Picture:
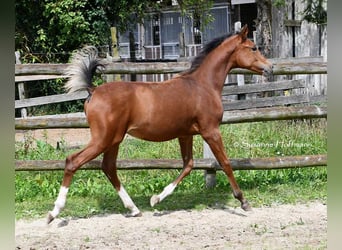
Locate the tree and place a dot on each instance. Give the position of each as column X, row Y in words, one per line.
column 47, row 31
column 28, row 20
column 263, row 24
column 316, row 12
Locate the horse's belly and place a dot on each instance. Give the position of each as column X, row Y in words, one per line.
column 162, row 133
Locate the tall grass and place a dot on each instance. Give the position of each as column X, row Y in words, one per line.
column 91, row 192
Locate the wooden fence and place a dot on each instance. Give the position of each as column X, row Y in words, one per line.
column 258, row 108
column 32, row 72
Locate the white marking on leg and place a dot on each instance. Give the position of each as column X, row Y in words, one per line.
column 166, row 192
column 127, row 201
column 60, row 202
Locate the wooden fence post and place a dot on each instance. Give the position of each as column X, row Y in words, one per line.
column 209, row 175
column 115, row 51
column 114, row 57
column 21, row 87
column 181, row 45
column 240, row 78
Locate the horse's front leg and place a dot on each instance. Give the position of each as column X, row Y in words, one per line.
column 188, row 163
column 214, row 139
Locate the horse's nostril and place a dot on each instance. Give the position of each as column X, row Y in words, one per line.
column 268, row 72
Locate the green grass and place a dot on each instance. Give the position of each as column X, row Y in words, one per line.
column 91, row 193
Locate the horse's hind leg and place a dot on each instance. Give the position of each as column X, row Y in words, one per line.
column 188, row 163
column 72, row 164
column 109, row 168
column 214, row 139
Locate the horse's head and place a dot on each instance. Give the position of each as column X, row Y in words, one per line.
column 246, row 55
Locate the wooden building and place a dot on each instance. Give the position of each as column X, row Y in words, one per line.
column 167, row 35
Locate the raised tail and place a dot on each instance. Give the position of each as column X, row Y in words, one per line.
column 83, row 66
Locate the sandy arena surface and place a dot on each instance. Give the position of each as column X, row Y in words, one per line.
column 300, row 226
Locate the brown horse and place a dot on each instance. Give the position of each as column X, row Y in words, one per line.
column 182, row 107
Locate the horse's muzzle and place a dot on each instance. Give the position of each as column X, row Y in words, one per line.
column 268, row 71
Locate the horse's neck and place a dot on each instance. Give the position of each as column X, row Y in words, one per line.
column 214, row 69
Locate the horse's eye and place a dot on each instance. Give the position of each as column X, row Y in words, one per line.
column 254, row 48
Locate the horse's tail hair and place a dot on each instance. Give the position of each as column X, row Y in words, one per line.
column 83, row 66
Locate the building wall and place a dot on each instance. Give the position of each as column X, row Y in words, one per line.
column 159, row 38
column 295, row 37
column 168, row 26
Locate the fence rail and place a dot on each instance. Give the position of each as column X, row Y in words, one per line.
column 78, row 120
column 202, row 164
column 290, row 66
column 228, row 90
column 29, row 102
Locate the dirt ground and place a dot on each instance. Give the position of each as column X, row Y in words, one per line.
column 300, row 226
column 70, row 137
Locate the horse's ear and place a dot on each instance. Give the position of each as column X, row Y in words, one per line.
column 243, row 33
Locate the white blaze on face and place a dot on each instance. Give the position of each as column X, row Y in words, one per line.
column 60, row 202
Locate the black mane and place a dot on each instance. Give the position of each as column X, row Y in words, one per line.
column 210, row 46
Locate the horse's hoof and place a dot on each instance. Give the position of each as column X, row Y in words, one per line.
column 245, row 206
column 139, row 214
column 154, row 200
column 49, row 218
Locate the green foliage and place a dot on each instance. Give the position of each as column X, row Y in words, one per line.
column 28, row 21
column 46, row 31
column 91, row 192
column 279, row 3
column 315, row 12
column 199, row 9
column 76, row 22
column 125, row 14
